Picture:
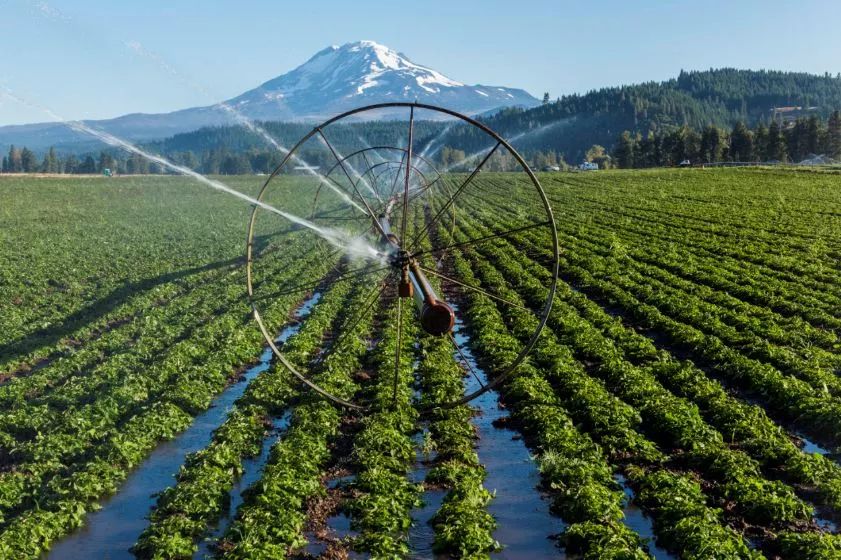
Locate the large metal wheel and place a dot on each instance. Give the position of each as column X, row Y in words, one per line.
column 389, row 214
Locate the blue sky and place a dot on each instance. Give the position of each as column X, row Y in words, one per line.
column 75, row 56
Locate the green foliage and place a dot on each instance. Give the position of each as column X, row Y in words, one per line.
column 680, row 293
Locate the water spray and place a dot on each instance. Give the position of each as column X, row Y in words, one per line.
column 484, row 151
column 411, row 274
column 255, row 128
column 335, row 237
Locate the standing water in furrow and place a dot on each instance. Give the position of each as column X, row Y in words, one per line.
column 524, row 523
column 421, row 534
column 639, row 522
column 111, row 531
column 252, row 469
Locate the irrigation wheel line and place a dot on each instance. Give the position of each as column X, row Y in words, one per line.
column 369, row 197
column 374, row 172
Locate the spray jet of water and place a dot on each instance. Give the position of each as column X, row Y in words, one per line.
column 425, row 152
column 51, row 13
column 140, row 50
column 364, row 143
column 346, row 162
column 481, row 153
column 341, row 240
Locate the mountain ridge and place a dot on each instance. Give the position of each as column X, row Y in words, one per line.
column 332, row 81
column 337, row 79
column 573, row 123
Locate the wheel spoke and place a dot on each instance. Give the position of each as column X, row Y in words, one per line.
column 353, row 184
column 471, row 287
column 465, row 360
column 407, row 176
column 368, row 168
column 449, row 202
column 425, row 189
column 482, row 239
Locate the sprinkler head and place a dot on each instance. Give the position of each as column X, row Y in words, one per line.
column 405, row 288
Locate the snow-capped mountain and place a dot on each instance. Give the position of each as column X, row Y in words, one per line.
column 339, row 78
column 336, row 79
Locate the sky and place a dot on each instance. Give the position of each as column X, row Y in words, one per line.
column 87, row 59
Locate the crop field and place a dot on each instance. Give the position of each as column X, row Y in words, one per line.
column 683, row 400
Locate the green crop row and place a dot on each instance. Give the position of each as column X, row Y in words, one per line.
column 815, row 411
column 668, row 418
column 185, row 380
column 572, row 466
column 188, row 374
column 270, row 521
column 746, row 425
column 184, row 511
column 383, row 450
column 463, row 527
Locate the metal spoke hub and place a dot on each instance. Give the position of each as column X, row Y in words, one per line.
column 388, row 217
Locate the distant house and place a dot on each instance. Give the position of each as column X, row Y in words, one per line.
column 787, row 116
column 588, row 166
column 552, row 168
column 685, row 163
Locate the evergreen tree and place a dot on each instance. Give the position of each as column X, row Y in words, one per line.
column 4, row 168
column 796, row 140
column 776, row 143
column 88, row 166
column 813, row 135
column 760, row 143
column 212, row 162
column 28, row 161
column 15, row 165
column 834, row 135
column 236, row 165
column 712, row 144
column 741, row 143
column 52, row 162
column 70, row 164
column 546, row 98
column 624, row 151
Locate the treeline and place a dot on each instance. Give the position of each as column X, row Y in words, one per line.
column 24, row 160
column 216, row 162
column 804, row 139
column 226, row 161
column 227, row 150
column 694, row 99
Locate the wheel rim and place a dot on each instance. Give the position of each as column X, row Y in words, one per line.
column 359, row 198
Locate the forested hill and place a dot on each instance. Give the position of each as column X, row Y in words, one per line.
column 567, row 127
column 573, row 123
column 721, row 97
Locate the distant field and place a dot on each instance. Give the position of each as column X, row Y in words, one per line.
column 689, row 369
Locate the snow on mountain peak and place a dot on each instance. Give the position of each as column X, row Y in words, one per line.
column 368, row 72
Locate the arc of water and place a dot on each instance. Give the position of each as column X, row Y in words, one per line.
column 140, row 50
column 511, row 140
column 335, row 237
